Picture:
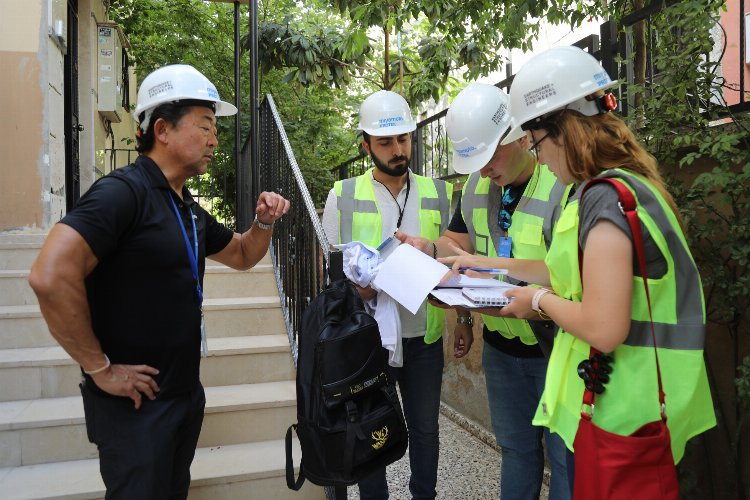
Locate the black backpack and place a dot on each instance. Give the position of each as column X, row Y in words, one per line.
column 349, row 418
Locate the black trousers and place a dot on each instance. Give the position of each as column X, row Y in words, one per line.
column 146, row 453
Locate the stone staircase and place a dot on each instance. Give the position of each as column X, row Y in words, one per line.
column 248, row 376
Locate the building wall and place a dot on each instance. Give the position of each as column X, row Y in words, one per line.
column 25, row 161
column 732, row 66
column 32, row 168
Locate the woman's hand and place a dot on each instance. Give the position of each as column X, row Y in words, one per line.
column 520, row 303
column 465, row 259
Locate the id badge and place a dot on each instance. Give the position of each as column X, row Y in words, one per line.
column 504, row 249
column 387, row 247
column 204, row 342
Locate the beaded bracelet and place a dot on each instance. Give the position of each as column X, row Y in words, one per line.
column 434, row 250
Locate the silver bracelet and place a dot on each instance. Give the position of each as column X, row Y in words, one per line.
column 261, row 225
column 465, row 320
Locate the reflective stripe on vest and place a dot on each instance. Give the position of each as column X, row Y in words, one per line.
column 631, row 397
column 360, row 220
column 533, row 219
column 689, row 306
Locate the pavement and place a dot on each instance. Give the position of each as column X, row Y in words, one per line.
column 469, row 466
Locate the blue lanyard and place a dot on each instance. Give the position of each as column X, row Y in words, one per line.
column 192, row 253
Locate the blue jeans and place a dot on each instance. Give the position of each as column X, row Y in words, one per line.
column 419, row 380
column 514, row 387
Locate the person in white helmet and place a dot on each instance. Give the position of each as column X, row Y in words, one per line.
column 371, row 208
column 509, row 206
column 119, row 283
column 560, row 98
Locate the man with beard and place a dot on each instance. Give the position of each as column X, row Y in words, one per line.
column 370, row 208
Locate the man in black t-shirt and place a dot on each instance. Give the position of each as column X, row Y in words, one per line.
column 119, row 282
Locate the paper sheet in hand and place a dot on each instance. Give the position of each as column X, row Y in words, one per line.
column 408, row 276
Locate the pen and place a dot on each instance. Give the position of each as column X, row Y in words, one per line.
column 487, row 270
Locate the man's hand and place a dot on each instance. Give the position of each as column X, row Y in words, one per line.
column 366, row 293
column 271, row 207
column 422, row 244
column 128, row 380
column 463, row 338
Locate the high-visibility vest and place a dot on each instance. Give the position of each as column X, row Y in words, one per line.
column 360, row 220
column 631, row 396
column 531, row 230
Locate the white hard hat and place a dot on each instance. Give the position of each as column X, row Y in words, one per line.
column 385, row 113
column 477, row 119
column 174, row 83
column 560, row 77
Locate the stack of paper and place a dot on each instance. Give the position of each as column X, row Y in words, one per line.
column 409, row 275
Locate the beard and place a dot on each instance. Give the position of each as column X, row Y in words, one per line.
column 397, row 171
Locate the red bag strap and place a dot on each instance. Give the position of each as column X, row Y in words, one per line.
column 629, row 208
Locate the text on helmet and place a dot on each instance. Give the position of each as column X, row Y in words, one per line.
column 499, row 114
column 602, row 78
column 539, row 94
column 390, row 122
column 160, row 88
column 465, row 152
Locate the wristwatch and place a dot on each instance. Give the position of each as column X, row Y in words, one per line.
column 465, row 320
column 261, row 225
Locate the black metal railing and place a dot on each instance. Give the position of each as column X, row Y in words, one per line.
column 117, row 158
column 302, row 257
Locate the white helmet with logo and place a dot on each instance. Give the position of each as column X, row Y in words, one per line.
column 174, row 83
column 477, row 119
column 558, row 78
column 385, row 113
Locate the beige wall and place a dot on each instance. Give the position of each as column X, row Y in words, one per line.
column 22, row 100
column 464, row 388
column 32, row 168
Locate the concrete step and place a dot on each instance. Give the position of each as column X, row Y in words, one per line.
column 15, row 289
column 48, row 372
column 241, row 316
column 252, row 471
column 219, row 282
column 23, row 325
column 18, row 251
column 54, row 430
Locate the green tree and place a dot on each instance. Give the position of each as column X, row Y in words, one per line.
column 680, row 125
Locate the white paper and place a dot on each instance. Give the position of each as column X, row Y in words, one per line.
column 408, row 275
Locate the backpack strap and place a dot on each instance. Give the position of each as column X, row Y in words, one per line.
column 290, row 481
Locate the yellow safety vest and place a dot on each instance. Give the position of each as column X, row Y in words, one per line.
column 531, row 230
column 360, row 220
column 631, row 397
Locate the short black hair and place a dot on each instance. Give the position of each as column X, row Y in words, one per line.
column 170, row 112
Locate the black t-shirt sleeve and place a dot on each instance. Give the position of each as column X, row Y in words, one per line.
column 458, row 225
column 218, row 235
column 104, row 214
